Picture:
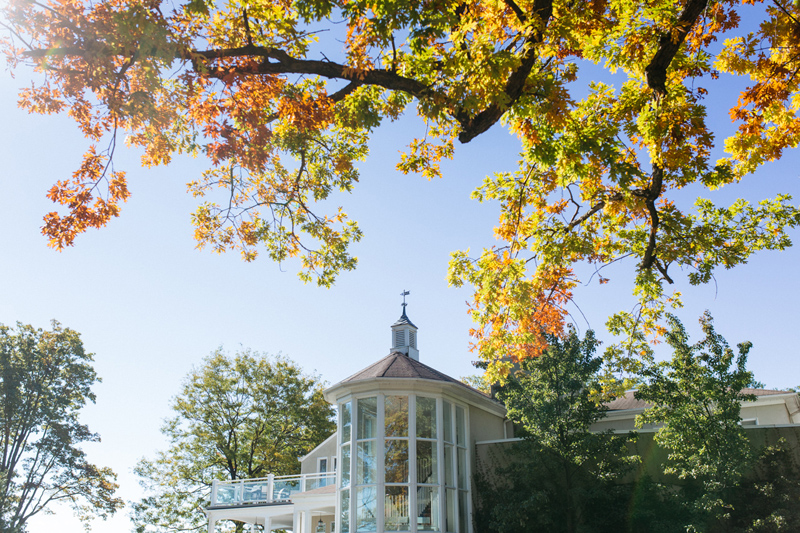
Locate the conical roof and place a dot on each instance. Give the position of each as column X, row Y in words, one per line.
column 399, row 365
column 403, row 320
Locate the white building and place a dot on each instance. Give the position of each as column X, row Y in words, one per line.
column 401, row 459
column 404, row 452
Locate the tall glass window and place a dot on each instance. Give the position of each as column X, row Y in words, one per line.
column 396, row 506
column 345, row 425
column 461, row 468
column 345, row 433
column 427, row 512
column 366, row 464
column 403, row 465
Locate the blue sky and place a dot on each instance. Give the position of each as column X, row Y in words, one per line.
column 151, row 306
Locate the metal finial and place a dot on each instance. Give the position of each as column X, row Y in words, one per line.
column 404, row 294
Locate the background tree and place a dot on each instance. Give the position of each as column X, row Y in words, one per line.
column 769, row 500
column 264, row 90
column 563, row 476
column 237, row 417
column 697, row 397
column 45, row 380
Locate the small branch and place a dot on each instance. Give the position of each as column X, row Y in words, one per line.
column 653, row 193
column 517, row 11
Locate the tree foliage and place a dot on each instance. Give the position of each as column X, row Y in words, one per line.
column 563, row 476
column 282, row 110
column 697, row 398
column 237, row 417
column 45, row 380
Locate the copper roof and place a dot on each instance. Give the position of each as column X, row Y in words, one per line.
column 629, row 402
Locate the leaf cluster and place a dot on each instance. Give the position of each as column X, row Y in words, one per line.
column 281, row 99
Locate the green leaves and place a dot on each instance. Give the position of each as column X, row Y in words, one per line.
column 45, row 379
column 237, row 417
column 565, row 466
column 696, row 397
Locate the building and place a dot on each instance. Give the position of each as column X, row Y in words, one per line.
column 405, row 449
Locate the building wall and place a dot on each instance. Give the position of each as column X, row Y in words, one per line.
column 308, row 465
column 774, row 414
column 493, row 454
column 768, row 410
column 484, row 426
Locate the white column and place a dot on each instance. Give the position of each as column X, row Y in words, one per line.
column 270, row 486
column 471, row 452
column 214, row 492
column 381, row 463
column 296, row 522
column 440, row 463
column 212, row 522
column 306, row 528
column 267, row 524
column 412, row 460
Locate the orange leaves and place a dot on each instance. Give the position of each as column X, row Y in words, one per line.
column 87, row 209
column 43, row 100
column 768, row 111
column 306, row 112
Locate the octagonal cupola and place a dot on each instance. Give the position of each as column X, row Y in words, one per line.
column 404, row 334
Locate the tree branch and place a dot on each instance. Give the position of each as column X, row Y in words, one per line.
column 474, row 126
column 285, row 64
column 668, row 45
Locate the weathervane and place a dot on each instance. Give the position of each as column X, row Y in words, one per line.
column 404, row 294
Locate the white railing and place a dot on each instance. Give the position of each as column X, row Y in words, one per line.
column 270, row 489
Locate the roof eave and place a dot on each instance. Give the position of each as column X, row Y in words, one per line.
column 411, row 384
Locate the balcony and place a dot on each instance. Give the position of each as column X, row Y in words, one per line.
column 267, row 490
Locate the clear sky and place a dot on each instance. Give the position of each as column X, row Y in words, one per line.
column 151, row 306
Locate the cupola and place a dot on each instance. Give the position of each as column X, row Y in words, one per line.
column 404, row 334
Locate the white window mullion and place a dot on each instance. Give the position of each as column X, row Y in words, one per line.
column 380, row 435
column 412, row 460
column 470, row 451
column 337, row 505
column 440, row 463
column 353, row 465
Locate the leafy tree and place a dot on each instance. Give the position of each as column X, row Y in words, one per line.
column 237, row 417
column 562, row 477
column 697, row 397
column 478, row 382
column 769, row 500
column 45, row 380
column 263, row 89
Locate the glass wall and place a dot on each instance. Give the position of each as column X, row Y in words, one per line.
column 404, row 465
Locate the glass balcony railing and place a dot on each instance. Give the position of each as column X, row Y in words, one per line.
column 270, row 489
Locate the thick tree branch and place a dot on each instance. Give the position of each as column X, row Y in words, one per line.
column 656, row 72
column 474, row 126
column 650, row 201
column 285, row 64
column 669, row 44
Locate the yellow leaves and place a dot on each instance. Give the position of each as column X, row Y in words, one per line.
column 424, row 157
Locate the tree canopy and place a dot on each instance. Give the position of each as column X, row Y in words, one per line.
column 696, row 398
column 237, row 417
column 281, row 97
column 563, row 477
column 45, row 380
